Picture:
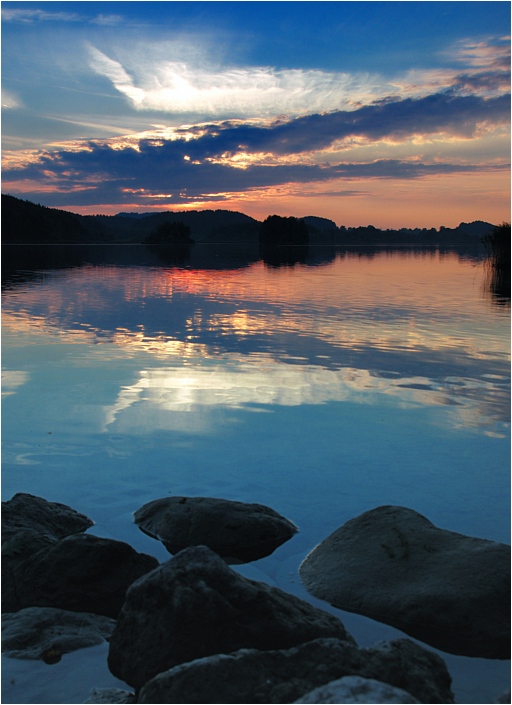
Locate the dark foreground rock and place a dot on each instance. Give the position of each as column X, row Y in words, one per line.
column 34, row 631
column 110, row 695
column 25, row 511
column 18, row 546
column 392, row 564
column 81, row 573
column 195, row 605
column 237, row 531
column 283, row 676
column 354, row 689
column 30, row 523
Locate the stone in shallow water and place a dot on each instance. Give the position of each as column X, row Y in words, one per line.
column 392, row 564
column 30, row 523
column 283, row 676
column 26, row 511
column 237, row 531
column 81, row 573
column 195, row 605
column 354, row 689
column 33, row 631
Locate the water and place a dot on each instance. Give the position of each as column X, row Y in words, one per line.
column 323, row 390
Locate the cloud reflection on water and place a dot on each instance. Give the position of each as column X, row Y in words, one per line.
column 237, row 384
column 371, row 331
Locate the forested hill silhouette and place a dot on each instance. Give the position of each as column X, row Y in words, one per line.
column 24, row 222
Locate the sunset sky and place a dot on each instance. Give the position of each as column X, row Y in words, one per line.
column 390, row 113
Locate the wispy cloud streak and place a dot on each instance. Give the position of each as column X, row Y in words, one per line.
column 159, row 80
column 177, row 87
column 32, row 15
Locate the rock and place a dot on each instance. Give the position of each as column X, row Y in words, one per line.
column 30, row 523
column 195, row 605
column 33, row 631
column 24, row 511
column 354, row 689
column 110, row 695
column 21, row 544
column 81, row 573
column 392, row 564
column 237, row 531
column 284, row 676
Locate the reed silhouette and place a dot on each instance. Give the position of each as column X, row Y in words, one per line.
column 497, row 282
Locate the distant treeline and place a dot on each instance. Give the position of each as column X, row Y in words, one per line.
column 24, row 222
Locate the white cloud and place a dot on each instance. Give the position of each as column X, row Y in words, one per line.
column 157, row 79
column 29, row 16
column 482, row 54
column 26, row 16
column 10, row 101
column 181, row 77
column 193, row 87
column 116, row 73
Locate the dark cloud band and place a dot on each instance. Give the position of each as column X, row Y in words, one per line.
column 102, row 174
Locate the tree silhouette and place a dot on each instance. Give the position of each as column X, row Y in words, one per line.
column 279, row 231
column 170, row 233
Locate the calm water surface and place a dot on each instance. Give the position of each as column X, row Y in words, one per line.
column 371, row 378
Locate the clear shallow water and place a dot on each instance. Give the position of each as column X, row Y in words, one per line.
column 372, row 378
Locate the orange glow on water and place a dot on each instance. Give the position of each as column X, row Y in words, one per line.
column 409, row 284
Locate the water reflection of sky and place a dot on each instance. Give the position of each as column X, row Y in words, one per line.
column 403, row 329
column 320, row 391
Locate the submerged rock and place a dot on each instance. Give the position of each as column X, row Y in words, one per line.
column 81, row 573
column 34, row 631
column 237, row 531
column 392, row 564
column 195, row 605
column 284, row 676
column 354, row 689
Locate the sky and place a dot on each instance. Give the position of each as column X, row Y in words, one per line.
column 395, row 114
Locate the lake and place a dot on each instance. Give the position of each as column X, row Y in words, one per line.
column 322, row 386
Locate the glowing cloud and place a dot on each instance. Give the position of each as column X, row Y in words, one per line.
column 153, row 81
column 178, row 87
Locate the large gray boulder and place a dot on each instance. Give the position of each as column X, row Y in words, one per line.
column 30, row 523
column 195, row 605
column 354, row 689
column 237, row 531
column 34, row 631
column 392, row 564
column 283, row 676
column 81, row 573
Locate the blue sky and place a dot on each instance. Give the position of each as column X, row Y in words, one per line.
column 381, row 112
